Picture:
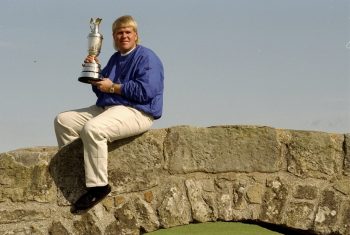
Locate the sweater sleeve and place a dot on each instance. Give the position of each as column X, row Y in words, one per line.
column 147, row 82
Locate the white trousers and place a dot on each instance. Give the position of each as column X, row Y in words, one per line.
column 97, row 126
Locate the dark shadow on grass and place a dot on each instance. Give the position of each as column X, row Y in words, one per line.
column 279, row 228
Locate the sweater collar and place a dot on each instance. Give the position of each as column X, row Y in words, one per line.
column 127, row 53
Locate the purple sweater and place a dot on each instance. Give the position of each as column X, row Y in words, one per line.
column 142, row 77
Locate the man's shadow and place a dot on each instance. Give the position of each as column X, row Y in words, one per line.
column 67, row 169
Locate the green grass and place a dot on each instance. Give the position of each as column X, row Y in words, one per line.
column 217, row 228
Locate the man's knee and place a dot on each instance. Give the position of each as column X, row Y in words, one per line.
column 61, row 119
column 90, row 130
column 58, row 121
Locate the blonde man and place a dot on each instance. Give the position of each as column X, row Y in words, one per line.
column 129, row 99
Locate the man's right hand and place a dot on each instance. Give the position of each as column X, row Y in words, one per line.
column 91, row 59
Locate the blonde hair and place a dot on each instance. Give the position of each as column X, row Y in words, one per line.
column 125, row 21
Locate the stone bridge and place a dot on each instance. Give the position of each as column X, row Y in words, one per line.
column 181, row 175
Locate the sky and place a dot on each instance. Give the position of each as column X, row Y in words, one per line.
column 278, row 63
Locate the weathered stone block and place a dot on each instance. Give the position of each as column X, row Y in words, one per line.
column 57, row 228
column 343, row 185
column 174, row 209
column 117, row 228
column 255, row 194
column 20, row 215
column 203, row 203
column 223, row 149
column 135, row 215
column 147, row 220
column 25, row 176
column 86, row 226
column 315, row 154
column 274, row 202
column 148, row 196
column 224, row 199
column 134, row 163
column 239, row 192
column 328, row 212
column 308, row 192
column 13, row 194
column 224, row 206
column 22, row 230
column 300, row 215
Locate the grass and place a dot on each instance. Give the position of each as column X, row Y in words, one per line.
column 217, row 228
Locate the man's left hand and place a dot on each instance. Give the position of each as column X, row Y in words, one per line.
column 104, row 85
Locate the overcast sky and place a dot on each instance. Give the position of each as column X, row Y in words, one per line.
column 279, row 63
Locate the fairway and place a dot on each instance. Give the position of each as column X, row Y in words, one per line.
column 216, row 228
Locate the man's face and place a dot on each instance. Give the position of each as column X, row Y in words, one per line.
column 125, row 39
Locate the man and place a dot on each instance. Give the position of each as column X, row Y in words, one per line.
column 129, row 99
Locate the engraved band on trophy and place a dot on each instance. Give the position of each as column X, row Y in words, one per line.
column 91, row 71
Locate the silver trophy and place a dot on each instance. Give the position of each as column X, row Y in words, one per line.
column 91, row 71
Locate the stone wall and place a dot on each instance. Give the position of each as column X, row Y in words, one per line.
column 180, row 175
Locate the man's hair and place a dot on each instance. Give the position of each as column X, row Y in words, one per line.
column 125, row 21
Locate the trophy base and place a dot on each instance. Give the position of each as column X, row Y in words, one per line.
column 90, row 73
column 88, row 79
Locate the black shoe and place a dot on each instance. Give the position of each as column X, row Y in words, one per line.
column 93, row 196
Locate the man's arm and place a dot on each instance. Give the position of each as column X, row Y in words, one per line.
column 107, row 86
column 147, row 83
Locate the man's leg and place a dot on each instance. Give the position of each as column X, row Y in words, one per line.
column 116, row 122
column 69, row 124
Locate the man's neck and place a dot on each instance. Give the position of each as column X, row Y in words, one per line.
column 128, row 52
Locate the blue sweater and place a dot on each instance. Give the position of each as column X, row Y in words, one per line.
column 142, row 77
